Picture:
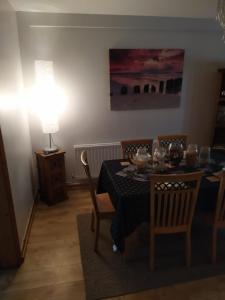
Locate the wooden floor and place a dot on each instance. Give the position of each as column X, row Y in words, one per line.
column 53, row 270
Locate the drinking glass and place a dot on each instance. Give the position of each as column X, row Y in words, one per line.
column 159, row 159
column 192, row 155
column 204, row 156
column 155, row 145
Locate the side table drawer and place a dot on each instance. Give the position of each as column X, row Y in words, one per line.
column 56, row 164
column 57, row 179
column 51, row 170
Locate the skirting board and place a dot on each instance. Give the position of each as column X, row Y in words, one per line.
column 82, row 183
column 28, row 229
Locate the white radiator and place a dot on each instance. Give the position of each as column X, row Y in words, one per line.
column 96, row 154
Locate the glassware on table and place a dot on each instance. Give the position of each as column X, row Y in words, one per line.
column 175, row 151
column 191, row 155
column 141, row 158
column 155, row 145
column 204, row 156
column 159, row 159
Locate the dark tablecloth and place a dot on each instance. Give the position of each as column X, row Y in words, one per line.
column 131, row 197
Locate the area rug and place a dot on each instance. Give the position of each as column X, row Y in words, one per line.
column 108, row 274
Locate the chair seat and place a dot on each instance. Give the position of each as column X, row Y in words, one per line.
column 105, row 207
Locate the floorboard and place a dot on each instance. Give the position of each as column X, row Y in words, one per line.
column 52, row 268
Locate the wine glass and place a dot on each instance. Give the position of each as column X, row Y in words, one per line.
column 175, row 153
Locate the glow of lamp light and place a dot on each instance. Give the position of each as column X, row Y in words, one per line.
column 48, row 100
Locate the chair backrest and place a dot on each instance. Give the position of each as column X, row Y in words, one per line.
column 130, row 147
column 85, row 164
column 172, row 201
column 165, row 140
column 219, row 217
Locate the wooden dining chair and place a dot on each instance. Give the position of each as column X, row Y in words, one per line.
column 172, row 204
column 102, row 205
column 130, row 147
column 219, row 216
column 165, row 140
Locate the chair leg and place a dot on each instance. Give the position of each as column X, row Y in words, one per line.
column 152, row 251
column 214, row 245
column 124, row 254
column 188, row 249
column 92, row 221
column 97, row 225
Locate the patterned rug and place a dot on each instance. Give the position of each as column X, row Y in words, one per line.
column 108, row 274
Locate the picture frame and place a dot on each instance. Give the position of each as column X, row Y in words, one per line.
column 145, row 78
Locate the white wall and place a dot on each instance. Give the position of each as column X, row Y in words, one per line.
column 79, row 46
column 13, row 119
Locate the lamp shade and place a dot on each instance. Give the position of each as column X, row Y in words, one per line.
column 50, row 127
column 44, row 72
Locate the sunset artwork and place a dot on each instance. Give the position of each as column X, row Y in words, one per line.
column 145, row 78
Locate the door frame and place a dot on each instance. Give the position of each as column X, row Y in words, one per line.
column 10, row 252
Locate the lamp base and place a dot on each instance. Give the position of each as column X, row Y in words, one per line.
column 49, row 150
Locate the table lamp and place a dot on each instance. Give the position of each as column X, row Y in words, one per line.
column 49, row 128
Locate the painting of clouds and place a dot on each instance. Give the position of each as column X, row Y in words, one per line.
column 145, row 78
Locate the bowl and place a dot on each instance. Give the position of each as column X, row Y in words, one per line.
column 141, row 164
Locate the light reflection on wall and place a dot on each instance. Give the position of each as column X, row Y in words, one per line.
column 10, row 102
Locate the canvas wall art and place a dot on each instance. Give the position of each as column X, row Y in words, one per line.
column 145, row 78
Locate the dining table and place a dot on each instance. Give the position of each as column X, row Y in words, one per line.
column 129, row 190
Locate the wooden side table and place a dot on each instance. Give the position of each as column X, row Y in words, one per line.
column 51, row 171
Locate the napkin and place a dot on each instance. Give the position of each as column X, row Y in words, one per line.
column 125, row 163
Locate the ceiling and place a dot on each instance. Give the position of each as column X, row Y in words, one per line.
column 163, row 8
